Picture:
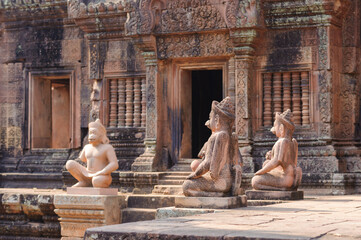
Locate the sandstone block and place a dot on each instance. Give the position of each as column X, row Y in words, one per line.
column 274, row 195
column 92, row 191
column 211, row 202
column 79, row 212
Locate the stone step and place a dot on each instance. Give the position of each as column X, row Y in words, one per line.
column 150, row 201
column 31, row 180
column 175, row 177
column 186, row 160
column 171, row 181
column 168, row 189
column 185, row 173
column 138, row 214
column 181, row 168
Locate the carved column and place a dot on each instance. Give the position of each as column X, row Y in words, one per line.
column 137, row 102
column 324, row 83
column 267, row 99
column 144, row 102
column 296, row 98
column 146, row 161
column 121, row 102
column 305, row 98
column 113, row 103
column 287, row 91
column 129, row 103
column 277, row 92
column 96, row 71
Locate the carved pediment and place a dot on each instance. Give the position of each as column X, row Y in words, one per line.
column 98, row 18
column 14, row 10
column 165, row 16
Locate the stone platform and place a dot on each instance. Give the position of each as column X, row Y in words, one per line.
column 211, row 202
column 80, row 212
column 92, row 191
column 274, row 195
column 327, row 217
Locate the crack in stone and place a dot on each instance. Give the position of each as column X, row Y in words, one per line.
column 326, row 224
column 272, row 220
column 323, row 234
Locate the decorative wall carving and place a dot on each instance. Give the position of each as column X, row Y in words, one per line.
column 242, row 98
column 125, row 102
column 98, row 52
column 83, row 9
column 160, row 16
column 194, row 45
column 243, row 13
column 287, row 90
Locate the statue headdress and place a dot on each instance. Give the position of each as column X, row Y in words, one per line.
column 225, row 108
column 98, row 125
column 286, row 119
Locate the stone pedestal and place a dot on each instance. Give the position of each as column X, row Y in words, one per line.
column 92, row 191
column 80, row 212
column 274, row 195
column 211, row 202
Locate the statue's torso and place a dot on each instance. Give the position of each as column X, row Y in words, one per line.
column 96, row 157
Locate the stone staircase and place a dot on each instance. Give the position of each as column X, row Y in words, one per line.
column 38, row 168
column 144, row 207
column 170, row 183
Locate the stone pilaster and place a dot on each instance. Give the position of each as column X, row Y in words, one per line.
column 146, row 161
column 243, row 41
column 97, row 54
column 80, row 212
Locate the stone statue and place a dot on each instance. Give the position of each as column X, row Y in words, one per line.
column 221, row 164
column 280, row 171
column 100, row 158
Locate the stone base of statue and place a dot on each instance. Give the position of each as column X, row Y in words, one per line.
column 80, row 212
column 274, row 195
column 211, row 202
column 92, row 191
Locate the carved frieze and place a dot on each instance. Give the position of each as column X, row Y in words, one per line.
column 83, row 9
column 297, row 13
column 242, row 97
column 31, row 9
column 160, row 16
column 194, row 45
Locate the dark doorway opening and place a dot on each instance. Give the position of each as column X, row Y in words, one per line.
column 206, row 87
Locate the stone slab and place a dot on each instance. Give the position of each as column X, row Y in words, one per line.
column 80, row 212
column 211, row 202
column 92, row 191
column 326, row 217
column 274, row 195
column 168, row 212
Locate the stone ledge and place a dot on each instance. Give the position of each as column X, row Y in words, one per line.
column 274, row 195
column 211, row 202
column 168, row 212
column 92, row 191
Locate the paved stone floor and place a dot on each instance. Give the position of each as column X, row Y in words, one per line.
column 324, row 217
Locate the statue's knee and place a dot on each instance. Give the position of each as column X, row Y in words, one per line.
column 186, row 187
column 70, row 164
column 101, row 181
column 255, row 182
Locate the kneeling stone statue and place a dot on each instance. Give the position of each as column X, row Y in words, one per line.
column 280, row 171
column 220, row 172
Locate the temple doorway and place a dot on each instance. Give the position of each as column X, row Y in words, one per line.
column 206, row 86
column 50, row 113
